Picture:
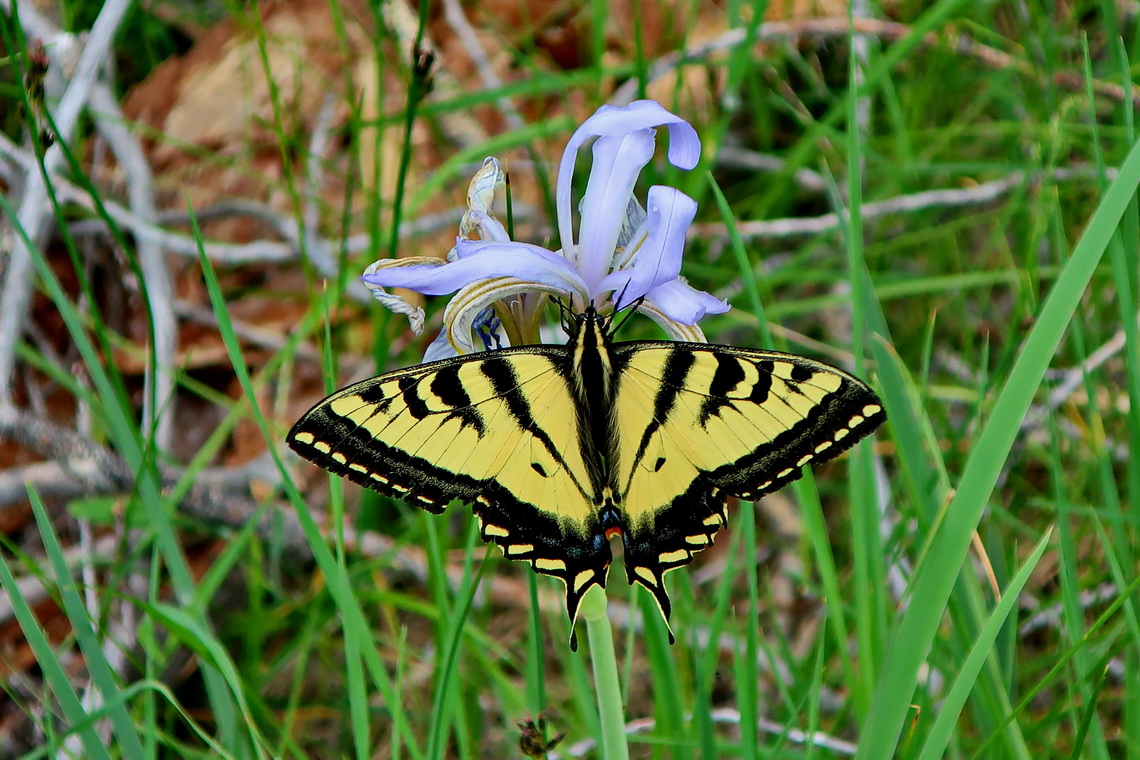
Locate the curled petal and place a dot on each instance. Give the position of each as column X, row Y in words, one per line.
column 683, row 303
column 618, row 121
column 615, row 121
column 481, row 190
column 391, row 301
column 674, row 330
column 463, row 312
column 658, row 255
column 485, row 225
column 398, row 305
column 480, row 214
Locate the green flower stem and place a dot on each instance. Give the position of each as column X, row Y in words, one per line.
column 611, row 713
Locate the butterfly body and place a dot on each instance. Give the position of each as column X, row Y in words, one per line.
column 559, row 449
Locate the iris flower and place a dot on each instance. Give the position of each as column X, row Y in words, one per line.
column 623, row 252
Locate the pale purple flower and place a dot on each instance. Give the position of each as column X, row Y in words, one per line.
column 622, row 252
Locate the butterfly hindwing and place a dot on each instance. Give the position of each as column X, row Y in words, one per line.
column 496, row 430
column 699, row 423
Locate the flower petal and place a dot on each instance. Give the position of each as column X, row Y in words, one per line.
column 616, row 122
column 658, row 256
column 399, row 305
column 617, row 163
column 464, row 311
column 479, row 260
column 522, row 261
column 395, row 303
column 486, row 225
column 423, row 274
column 480, row 215
column 485, row 325
column 440, row 348
column 674, row 330
column 683, row 303
column 631, row 230
column 481, row 190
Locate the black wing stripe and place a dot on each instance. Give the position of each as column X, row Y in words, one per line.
column 409, row 390
column 763, row 385
column 673, row 375
column 450, row 391
column 365, row 461
column 505, row 382
column 801, row 373
column 728, row 375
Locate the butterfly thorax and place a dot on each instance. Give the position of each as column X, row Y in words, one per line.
column 594, row 382
column 591, row 368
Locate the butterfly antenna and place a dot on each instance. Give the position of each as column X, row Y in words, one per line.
column 566, row 316
column 632, row 309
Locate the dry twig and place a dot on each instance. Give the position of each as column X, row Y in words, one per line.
column 1072, row 379
column 35, row 208
column 986, row 192
column 159, row 293
column 728, row 716
column 829, row 28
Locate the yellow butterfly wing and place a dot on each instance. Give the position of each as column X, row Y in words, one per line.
column 497, row 430
column 698, row 423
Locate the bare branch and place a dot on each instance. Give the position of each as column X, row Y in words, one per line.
column 316, row 248
column 231, row 254
column 455, row 16
column 825, row 28
column 945, row 198
column 1072, row 379
column 761, row 162
column 35, row 209
column 159, row 383
column 728, row 716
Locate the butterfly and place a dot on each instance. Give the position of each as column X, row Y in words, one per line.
column 559, row 449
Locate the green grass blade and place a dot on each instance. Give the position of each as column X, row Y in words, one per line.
column 57, row 680
column 103, row 677
column 1088, row 717
column 747, row 688
column 204, row 644
column 110, row 406
column 912, row 640
column 938, row 738
column 353, row 620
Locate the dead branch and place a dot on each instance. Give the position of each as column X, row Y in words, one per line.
column 830, row 28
